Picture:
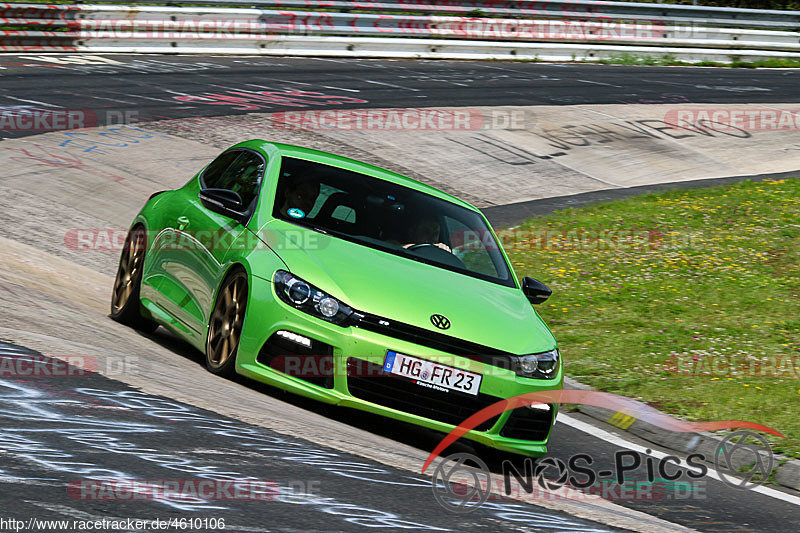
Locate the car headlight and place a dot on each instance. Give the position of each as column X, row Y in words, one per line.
column 539, row 365
column 306, row 297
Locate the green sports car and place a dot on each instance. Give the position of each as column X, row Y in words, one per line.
column 346, row 283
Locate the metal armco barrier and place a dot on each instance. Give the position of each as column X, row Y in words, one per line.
column 562, row 9
column 576, row 34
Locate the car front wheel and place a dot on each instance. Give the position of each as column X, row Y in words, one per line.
column 225, row 325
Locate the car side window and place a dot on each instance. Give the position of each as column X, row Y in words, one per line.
column 213, row 172
column 239, row 171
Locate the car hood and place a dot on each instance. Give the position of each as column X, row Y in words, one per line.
column 408, row 291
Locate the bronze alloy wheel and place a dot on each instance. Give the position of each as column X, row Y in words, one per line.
column 129, row 271
column 125, row 306
column 225, row 326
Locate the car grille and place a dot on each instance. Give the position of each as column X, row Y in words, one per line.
column 367, row 381
column 528, row 424
column 431, row 339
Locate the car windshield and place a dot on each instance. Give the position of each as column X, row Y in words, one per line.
column 389, row 217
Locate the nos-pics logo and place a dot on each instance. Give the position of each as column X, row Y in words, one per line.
column 462, row 482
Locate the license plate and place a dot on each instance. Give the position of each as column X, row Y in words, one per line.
column 436, row 376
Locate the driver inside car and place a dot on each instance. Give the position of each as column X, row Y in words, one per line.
column 426, row 231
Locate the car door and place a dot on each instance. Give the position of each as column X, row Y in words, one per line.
column 167, row 273
column 208, row 235
column 160, row 285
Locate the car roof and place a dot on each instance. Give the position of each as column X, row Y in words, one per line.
column 321, row 156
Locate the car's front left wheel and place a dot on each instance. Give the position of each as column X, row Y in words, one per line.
column 125, row 306
column 225, row 325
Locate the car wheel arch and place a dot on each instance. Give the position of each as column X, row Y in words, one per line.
column 229, row 271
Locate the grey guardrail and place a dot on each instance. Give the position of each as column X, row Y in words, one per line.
column 153, row 29
column 562, row 9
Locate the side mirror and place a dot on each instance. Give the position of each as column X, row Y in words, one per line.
column 536, row 291
column 224, row 202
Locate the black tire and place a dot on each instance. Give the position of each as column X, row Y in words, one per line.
column 225, row 324
column 125, row 305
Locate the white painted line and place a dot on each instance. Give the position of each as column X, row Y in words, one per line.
column 175, row 92
column 734, row 89
column 600, row 83
column 147, row 98
column 102, row 98
column 30, row 101
column 329, row 60
column 619, row 441
column 277, row 79
column 341, row 88
column 596, row 112
column 393, row 85
column 111, row 99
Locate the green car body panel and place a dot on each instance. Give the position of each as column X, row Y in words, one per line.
column 183, row 270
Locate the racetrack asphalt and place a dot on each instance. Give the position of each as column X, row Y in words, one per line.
column 61, row 427
column 156, row 87
column 70, row 439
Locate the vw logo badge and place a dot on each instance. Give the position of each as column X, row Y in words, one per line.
column 440, row 321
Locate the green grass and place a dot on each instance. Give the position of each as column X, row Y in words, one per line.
column 767, row 63
column 631, row 59
column 670, row 60
column 702, row 274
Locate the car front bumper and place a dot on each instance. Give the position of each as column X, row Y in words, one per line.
column 352, row 378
